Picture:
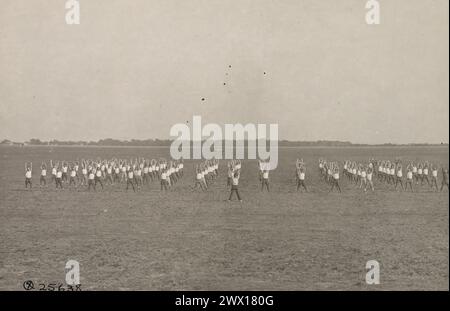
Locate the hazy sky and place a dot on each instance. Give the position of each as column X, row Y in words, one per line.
column 132, row 69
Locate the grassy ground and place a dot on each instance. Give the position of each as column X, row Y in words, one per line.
column 184, row 240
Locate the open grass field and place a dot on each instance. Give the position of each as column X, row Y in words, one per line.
column 185, row 240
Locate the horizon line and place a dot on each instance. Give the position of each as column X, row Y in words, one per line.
column 125, row 141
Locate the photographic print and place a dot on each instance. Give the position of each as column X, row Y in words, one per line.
column 205, row 145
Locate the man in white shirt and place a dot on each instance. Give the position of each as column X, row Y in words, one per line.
column 43, row 178
column 234, row 186
column 265, row 180
column 301, row 172
column 98, row 178
column 28, row 174
column 130, row 179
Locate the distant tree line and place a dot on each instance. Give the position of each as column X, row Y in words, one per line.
column 168, row 142
column 101, row 142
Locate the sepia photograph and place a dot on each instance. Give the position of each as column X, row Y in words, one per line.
column 192, row 146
